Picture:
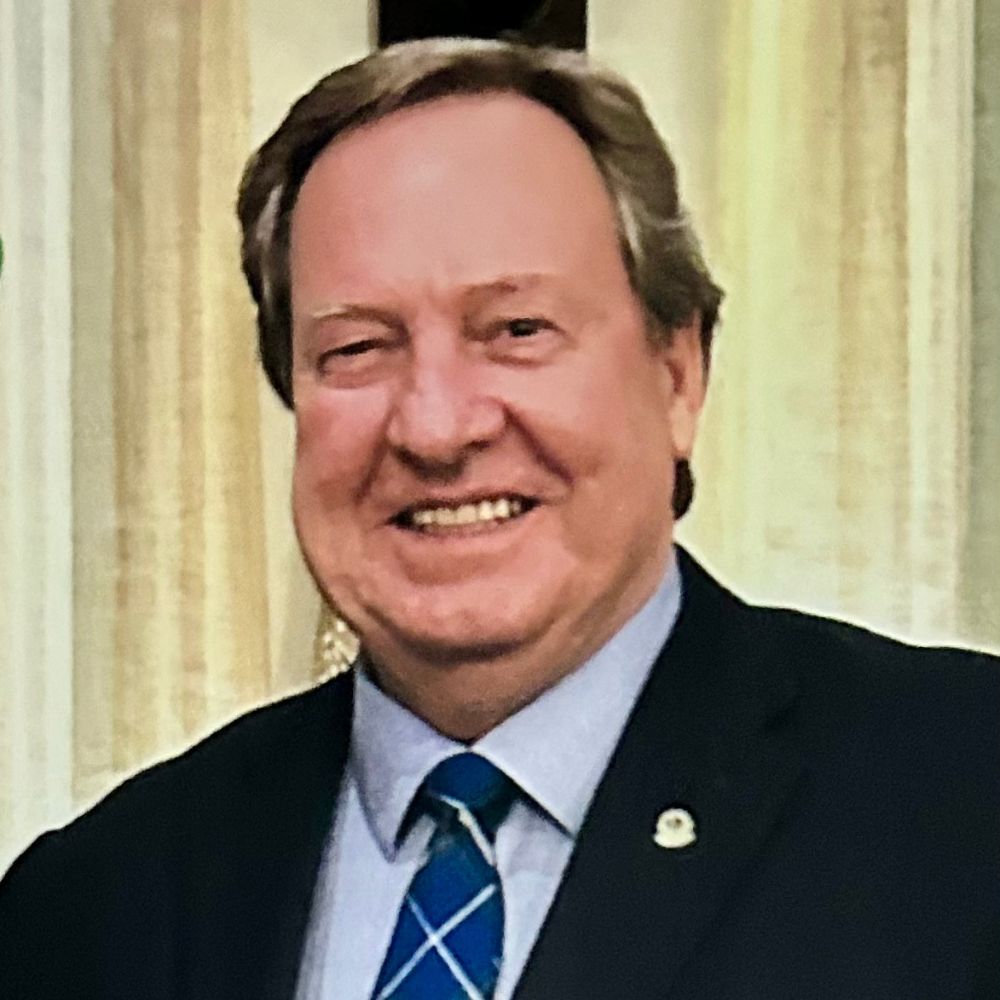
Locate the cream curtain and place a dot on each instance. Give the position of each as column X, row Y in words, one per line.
column 180, row 546
column 840, row 160
column 151, row 583
column 980, row 583
column 36, row 588
column 849, row 461
column 171, row 610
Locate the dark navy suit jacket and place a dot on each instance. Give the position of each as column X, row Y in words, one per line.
column 845, row 790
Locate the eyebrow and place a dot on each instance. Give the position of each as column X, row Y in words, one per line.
column 507, row 284
column 351, row 310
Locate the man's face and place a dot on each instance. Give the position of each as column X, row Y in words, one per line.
column 485, row 438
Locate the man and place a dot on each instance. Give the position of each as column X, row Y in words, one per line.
column 569, row 764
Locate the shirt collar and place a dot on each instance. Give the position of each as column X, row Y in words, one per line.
column 556, row 748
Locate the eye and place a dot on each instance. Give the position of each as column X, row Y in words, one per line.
column 522, row 339
column 347, row 355
column 355, row 362
column 353, row 349
column 523, row 327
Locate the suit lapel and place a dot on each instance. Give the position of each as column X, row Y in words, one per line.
column 249, row 879
column 712, row 734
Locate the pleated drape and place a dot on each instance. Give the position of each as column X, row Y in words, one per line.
column 980, row 578
column 36, row 585
column 834, row 163
column 171, row 609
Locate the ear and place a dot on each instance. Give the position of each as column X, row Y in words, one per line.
column 684, row 367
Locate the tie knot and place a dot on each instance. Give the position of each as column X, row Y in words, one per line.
column 468, row 781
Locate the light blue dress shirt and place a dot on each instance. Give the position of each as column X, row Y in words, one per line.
column 555, row 749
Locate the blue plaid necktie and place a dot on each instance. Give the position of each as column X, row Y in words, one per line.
column 448, row 940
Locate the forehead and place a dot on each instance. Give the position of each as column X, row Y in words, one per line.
column 462, row 184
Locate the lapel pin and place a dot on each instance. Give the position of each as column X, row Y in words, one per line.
column 674, row 829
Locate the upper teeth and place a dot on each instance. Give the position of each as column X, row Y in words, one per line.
column 469, row 513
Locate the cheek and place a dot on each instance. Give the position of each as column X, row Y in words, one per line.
column 600, row 418
column 616, row 444
column 337, row 442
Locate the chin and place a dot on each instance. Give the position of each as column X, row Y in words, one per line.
column 453, row 635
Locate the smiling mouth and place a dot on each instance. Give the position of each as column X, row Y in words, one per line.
column 488, row 512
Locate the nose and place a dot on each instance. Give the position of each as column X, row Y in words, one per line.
column 443, row 412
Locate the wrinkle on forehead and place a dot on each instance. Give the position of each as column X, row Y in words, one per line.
column 473, row 293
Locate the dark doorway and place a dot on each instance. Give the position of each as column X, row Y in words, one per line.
column 562, row 23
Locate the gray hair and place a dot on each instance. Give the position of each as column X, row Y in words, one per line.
column 660, row 250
